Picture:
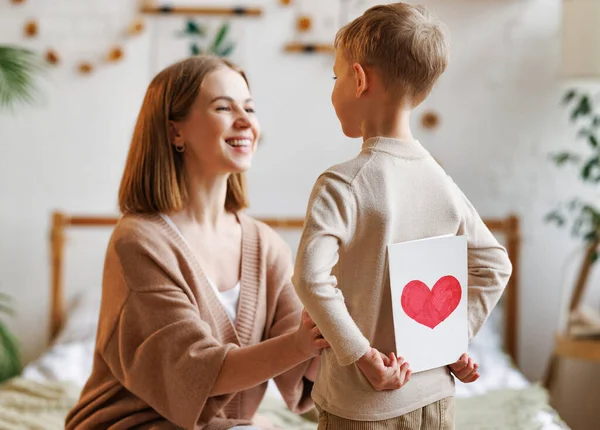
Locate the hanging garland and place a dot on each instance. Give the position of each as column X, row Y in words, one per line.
column 112, row 55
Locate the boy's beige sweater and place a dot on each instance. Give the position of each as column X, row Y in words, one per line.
column 393, row 191
column 163, row 334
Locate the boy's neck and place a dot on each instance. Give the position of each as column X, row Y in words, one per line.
column 387, row 122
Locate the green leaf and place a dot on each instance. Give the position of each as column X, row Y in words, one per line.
column 194, row 28
column 18, row 68
column 577, row 225
column 594, row 257
column 564, row 157
column 7, row 310
column 586, row 171
column 583, row 108
column 195, row 49
column 590, row 236
column 593, row 141
column 573, row 203
column 10, row 362
column 556, row 217
column 226, row 52
column 569, row 96
column 220, row 38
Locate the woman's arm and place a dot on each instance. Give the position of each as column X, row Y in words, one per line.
column 250, row 366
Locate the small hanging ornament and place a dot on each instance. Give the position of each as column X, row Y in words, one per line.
column 52, row 57
column 17, row 1
column 430, row 120
column 85, row 68
column 115, row 54
column 136, row 27
column 31, row 28
column 304, row 23
column 285, row 2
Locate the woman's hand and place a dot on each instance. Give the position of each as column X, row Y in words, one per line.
column 308, row 337
column 465, row 369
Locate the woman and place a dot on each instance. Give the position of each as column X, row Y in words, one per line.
column 198, row 311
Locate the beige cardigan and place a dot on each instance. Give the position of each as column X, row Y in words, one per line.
column 393, row 191
column 163, row 335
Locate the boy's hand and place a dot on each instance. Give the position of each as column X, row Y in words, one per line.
column 465, row 369
column 383, row 372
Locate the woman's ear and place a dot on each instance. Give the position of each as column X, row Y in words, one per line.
column 175, row 134
column 360, row 78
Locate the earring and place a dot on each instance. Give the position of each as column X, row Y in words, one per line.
column 180, row 149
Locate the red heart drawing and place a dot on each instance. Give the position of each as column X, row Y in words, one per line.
column 431, row 307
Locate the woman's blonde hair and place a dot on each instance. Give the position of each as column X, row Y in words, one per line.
column 154, row 178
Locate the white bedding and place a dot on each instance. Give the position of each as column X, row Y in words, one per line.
column 70, row 358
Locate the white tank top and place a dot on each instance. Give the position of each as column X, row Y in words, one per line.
column 229, row 299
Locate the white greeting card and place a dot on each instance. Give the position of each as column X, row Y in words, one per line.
column 428, row 278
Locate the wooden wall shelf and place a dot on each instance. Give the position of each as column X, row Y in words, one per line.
column 213, row 11
column 309, row 48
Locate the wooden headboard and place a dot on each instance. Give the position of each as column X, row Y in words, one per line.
column 507, row 227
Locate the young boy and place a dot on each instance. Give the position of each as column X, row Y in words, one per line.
column 387, row 62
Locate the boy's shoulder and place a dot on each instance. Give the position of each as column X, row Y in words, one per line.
column 347, row 170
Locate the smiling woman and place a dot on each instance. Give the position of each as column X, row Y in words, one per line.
column 198, row 310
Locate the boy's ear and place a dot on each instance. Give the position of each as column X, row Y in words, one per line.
column 360, row 77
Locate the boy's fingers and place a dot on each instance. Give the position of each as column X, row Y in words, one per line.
column 386, row 360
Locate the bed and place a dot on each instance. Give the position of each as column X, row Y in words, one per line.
column 42, row 395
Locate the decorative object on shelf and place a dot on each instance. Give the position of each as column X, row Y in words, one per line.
column 285, row 2
column 31, row 28
column 316, row 24
column 309, row 48
column 430, row 120
column 168, row 8
column 219, row 45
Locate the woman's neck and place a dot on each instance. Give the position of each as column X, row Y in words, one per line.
column 206, row 200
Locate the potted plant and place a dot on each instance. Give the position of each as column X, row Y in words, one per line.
column 10, row 360
column 583, row 215
column 18, row 67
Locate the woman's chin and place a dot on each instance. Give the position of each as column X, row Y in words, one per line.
column 241, row 166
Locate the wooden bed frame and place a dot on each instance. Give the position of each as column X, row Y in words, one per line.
column 508, row 227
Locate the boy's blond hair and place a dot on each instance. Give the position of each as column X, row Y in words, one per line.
column 404, row 42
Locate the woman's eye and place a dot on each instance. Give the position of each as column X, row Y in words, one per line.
column 250, row 110
column 223, row 109
column 335, row 78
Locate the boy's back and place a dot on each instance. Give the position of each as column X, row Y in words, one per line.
column 392, row 192
column 387, row 62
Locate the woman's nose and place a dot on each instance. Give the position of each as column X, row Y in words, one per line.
column 242, row 120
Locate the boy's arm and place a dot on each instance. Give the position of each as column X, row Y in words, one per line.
column 330, row 222
column 488, row 264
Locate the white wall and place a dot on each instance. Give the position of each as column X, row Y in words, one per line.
column 498, row 104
